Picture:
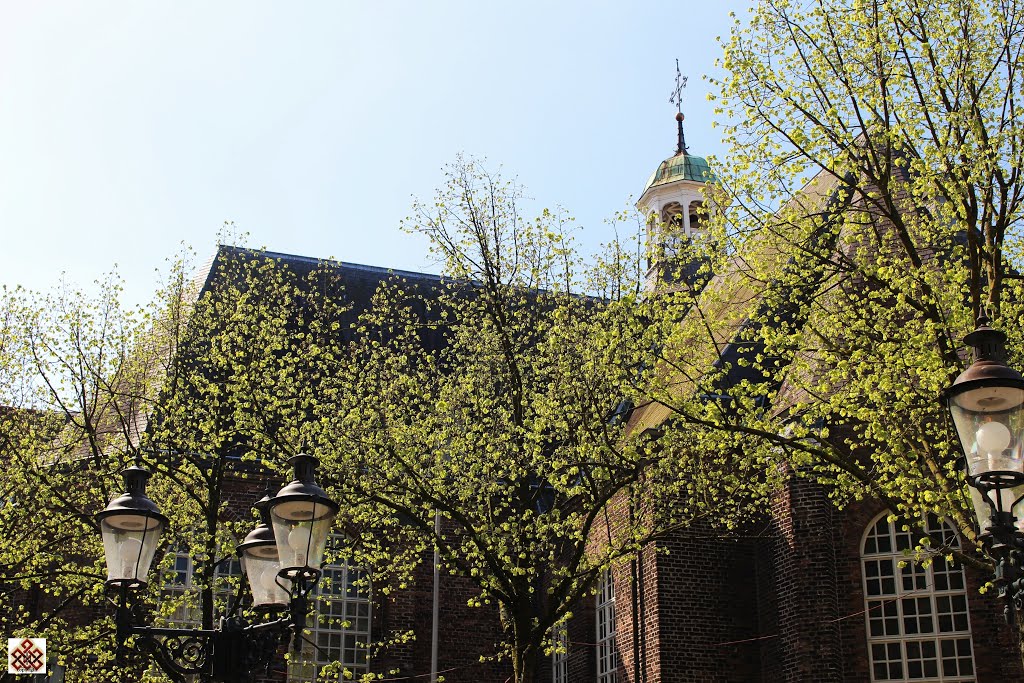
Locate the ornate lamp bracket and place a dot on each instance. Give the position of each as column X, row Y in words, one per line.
column 233, row 653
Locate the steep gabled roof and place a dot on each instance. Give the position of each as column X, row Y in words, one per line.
column 710, row 335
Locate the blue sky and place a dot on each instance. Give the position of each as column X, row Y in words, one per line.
column 127, row 128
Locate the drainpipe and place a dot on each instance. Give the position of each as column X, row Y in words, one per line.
column 437, row 597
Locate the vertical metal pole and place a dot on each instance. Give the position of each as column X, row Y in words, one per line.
column 437, row 598
column 123, row 622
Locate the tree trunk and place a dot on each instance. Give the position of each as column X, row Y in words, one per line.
column 524, row 665
column 525, row 647
column 1020, row 635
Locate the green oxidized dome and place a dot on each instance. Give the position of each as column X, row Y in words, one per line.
column 681, row 167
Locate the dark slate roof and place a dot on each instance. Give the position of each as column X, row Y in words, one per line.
column 359, row 282
column 357, row 277
column 353, row 284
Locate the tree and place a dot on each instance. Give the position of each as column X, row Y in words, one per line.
column 210, row 382
column 491, row 400
column 870, row 205
column 497, row 399
column 247, row 363
column 73, row 391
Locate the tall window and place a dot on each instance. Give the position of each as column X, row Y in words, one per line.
column 607, row 655
column 560, row 657
column 178, row 588
column 917, row 623
column 340, row 625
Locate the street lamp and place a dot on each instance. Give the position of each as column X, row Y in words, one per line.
column 281, row 572
column 261, row 563
column 987, row 405
column 301, row 514
column 131, row 526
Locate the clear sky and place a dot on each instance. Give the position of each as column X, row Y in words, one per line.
column 128, row 128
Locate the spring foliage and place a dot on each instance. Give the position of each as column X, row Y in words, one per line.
column 496, row 397
column 203, row 385
column 489, row 398
column 870, row 205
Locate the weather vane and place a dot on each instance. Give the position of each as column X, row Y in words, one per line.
column 677, row 99
column 677, row 94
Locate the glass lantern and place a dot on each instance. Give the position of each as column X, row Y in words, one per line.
column 261, row 564
column 302, row 515
column 989, row 420
column 986, row 403
column 131, row 526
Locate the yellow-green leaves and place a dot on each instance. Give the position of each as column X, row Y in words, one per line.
column 875, row 181
column 486, row 397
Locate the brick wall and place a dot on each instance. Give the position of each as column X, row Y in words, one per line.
column 777, row 602
column 466, row 633
column 803, row 586
column 581, row 634
column 707, row 625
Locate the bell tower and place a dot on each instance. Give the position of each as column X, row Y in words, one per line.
column 673, row 202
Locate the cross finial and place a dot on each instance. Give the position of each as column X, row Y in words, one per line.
column 677, row 99
column 677, row 94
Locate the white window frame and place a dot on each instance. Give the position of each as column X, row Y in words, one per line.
column 179, row 588
column 604, row 618
column 188, row 614
column 560, row 655
column 917, row 619
column 340, row 624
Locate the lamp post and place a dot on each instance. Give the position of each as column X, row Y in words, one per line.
column 987, row 405
column 281, row 571
column 301, row 514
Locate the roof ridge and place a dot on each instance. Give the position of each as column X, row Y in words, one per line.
column 335, row 263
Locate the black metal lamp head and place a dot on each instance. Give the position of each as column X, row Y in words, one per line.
column 131, row 526
column 986, row 403
column 261, row 562
column 302, row 514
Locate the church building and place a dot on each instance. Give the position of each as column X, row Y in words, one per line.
column 808, row 593
column 811, row 593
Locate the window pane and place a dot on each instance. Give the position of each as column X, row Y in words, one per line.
column 607, row 655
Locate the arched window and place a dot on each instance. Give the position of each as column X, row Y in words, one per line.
column 672, row 217
column 917, row 623
column 696, row 206
column 672, row 236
